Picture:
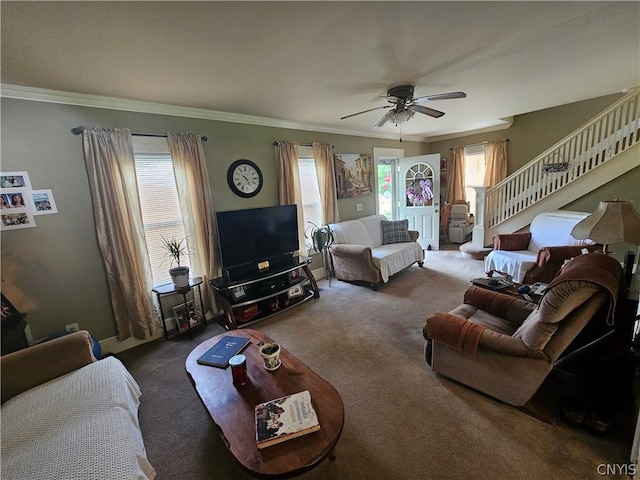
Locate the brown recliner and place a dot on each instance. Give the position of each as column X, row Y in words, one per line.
column 504, row 346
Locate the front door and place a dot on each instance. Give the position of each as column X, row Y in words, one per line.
column 419, row 197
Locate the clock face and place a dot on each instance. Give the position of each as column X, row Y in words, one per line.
column 244, row 178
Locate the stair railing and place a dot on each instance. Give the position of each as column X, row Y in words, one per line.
column 605, row 136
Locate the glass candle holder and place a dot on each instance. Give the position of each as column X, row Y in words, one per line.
column 238, row 365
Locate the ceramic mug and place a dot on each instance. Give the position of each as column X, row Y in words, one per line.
column 270, row 353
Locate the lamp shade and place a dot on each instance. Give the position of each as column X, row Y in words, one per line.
column 613, row 221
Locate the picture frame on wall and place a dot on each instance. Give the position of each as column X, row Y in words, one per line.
column 43, row 202
column 354, row 173
column 16, row 220
column 15, row 199
column 15, row 180
column 16, row 208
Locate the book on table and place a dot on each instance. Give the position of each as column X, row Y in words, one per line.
column 285, row 418
column 495, row 283
column 221, row 352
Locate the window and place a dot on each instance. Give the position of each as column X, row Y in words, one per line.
column 474, row 169
column 161, row 215
column 311, row 203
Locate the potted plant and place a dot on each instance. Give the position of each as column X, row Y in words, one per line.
column 321, row 240
column 321, row 236
column 175, row 250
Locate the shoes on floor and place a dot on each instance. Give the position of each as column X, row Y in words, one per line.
column 574, row 411
column 598, row 420
column 595, row 418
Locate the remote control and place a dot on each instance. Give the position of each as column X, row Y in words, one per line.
column 527, row 297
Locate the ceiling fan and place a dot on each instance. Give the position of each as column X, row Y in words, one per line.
column 404, row 105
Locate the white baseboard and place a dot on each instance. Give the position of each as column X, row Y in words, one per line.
column 318, row 273
column 113, row 345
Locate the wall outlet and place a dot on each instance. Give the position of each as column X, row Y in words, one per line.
column 72, row 327
column 359, row 207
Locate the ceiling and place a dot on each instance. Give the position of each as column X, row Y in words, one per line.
column 306, row 64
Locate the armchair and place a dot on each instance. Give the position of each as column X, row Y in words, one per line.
column 506, row 347
column 537, row 255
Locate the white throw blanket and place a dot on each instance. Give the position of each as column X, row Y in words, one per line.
column 83, row 425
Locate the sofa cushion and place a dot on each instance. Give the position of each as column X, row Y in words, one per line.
column 353, row 232
column 373, row 224
column 396, row 231
column 392, row 258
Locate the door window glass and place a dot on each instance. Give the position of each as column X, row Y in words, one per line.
column 419, row 186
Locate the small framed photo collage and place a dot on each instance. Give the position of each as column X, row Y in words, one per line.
column 19, row 203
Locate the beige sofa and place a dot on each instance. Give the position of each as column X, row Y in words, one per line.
column 67, row 416
column 504, row 346
column 371, row 249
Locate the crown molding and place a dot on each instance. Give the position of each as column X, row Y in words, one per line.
column 20, row 92
column 506, row 123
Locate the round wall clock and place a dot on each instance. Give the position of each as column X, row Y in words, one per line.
column 244, row 178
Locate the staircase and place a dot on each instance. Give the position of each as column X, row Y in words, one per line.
column 599, row 151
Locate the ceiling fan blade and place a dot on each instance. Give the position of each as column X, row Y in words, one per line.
column 426, row 110
column 386, row 117
column 365, row 111
column 442, row 96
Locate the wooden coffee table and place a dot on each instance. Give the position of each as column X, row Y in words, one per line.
column 232, row 409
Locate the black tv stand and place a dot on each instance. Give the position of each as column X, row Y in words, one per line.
column 253, row 299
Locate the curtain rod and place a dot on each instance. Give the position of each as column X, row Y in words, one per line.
column 275, row 144
column 480, row 143
column 79, row 130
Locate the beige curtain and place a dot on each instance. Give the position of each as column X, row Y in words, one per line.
column 495, row 154
column 325, row 169
column 110, row 167
column 455, row 180
column 289, row 192
column 194, row 196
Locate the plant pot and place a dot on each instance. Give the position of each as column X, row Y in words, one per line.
column 179, row 276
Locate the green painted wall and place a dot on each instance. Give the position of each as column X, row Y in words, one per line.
column 54, row 271
column 532, row 133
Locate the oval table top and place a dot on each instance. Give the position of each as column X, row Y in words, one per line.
column 232, row 409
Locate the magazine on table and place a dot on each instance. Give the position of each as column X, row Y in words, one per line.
column 285, row 418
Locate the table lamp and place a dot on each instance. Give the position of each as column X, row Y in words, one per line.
column 614, row 221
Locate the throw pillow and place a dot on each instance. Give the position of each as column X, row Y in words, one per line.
column 396, row 231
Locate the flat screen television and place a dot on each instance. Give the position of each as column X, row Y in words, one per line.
column 252, row 238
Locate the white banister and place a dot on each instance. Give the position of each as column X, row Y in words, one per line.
column 477, row 239
column 602, row 138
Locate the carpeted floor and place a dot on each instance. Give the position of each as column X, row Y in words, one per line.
column 402, row 421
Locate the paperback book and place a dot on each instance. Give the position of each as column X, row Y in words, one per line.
column 285, row 418
column 221, row 352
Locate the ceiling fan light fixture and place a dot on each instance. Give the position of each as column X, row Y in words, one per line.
column 404, row 105
column 401, row 116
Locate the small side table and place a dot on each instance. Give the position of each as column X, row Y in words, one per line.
column 170, row 289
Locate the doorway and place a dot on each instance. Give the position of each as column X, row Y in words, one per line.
column 418, row 197
column 386, row 167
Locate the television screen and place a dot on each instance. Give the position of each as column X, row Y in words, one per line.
column 247, row 237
